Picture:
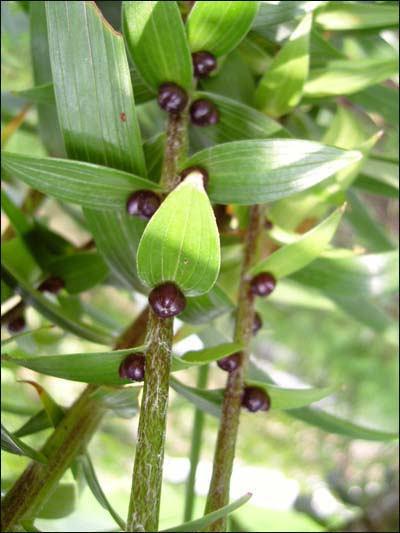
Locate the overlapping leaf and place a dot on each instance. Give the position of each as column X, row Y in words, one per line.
column 358, row 16
column 202, row 309
column 14, row 445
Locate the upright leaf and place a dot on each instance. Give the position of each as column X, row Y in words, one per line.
column 258, row 171
column 217, row 27
column 156, row 40
column 181, row 241
column 281, row 87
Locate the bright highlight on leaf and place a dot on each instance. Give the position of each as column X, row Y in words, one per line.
column 181, row 242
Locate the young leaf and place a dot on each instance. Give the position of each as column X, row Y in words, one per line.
column 356, row 16
column 218, row 27
column 202, row 309
column 181, row 241
column 298, row 254
column 157, row 43
column 13, row 444
column 259, row 171
column 201, row 523
column 81, row 183
column 80, row 271
column 281, row 87
column 348, row 77
column 205, row 356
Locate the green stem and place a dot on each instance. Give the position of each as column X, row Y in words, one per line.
column 175, row 149
column 30, row 492
column 144, row 505
column 198, row 424
column 224, row 455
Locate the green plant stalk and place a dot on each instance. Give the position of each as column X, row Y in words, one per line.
column 197, row 432
column 144, row 505
column 175, row 148
column 224, row 454
column 36, row 484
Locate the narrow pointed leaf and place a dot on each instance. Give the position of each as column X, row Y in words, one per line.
column 205, row 356
column 202, row 309
column 24, row 334
column 344, row 77
column 300, row 253
column 80, row 271
column 200, row 523
column 258, row 171
column 157, row 43
column 218, row 27
column 81, row 183
column 54, row 412
column 281, row 87
column 122, row 401
column 338, row 16
column 40, row 94
column 181, row 241
column 15, row 216
column 14, row 445
column 37, row 422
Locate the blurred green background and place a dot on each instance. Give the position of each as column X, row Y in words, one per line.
column 302, row 479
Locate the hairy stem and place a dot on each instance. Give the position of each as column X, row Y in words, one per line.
column 36, row 484
column 144, row 505
column 218, row 494
column 175, row 149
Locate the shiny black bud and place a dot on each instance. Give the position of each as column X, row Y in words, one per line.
column 132, row 367
column 230, row 363
column 172, row 98
column 203, row 113
column 263, row 284
column 167, row 300
column 203, row 64
column 255, row 399
column 143, row 204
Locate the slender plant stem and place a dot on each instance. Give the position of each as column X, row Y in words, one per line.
column 175, row 149
column 36, row 484
column 198, row 425
column 218, row 494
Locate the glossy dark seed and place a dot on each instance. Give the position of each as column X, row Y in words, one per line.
column 172, row 98
column 203, row 113
column 167, row 300
column 143, row 204
column 257, row 323
column 52, row 284
column 16, row 325
column 255, row 399
column 230, row 363
column 201, row 170
column 263, row 284
column 132, row 367
column 203, row 64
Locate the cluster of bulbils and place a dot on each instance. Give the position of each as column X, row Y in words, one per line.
column 167, row 300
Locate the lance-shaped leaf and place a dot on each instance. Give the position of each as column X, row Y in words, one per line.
column 217, row 27
column 201, row 523
column 348, row 77
column 53, row 410
column 81, row 183
column 205, row 356
column 202, row 309
column 181, row 241
column 90, row 67
column 358, row 16
column 13, row 444
column 258, row 171
column 298, row 254
column 157, row 42
column 281, row 87
column 365, row 275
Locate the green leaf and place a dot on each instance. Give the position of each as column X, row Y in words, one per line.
column 123, row 401
column 154, row 154
column 281, row 87
column 300, row 253
column 36, row 423
column 365, row 275
column 205, row 356
column 143, row 93
column 53, row 312
column 156, row 40
column 200, row 523
column 202, row 309
column 80, row 271
column 54, row 412
column 259, row 171
column 334, row 424
column 14, row 445
column 97, row 368
column 40, row 94
column 61, row 503
column 97, row 491
column 16, row 254
column 344, row 77
column 6, row 291
column 15, row 216
column 380, row 100
column 357, row 16
column 86, row 184
column 24, row 334
column 218, row 27
column 181, row 241
column 236, row 121
column 321, row 51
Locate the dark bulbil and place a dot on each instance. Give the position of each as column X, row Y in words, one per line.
column 167, row 300
column 172, row 98
column 255, row 399
column 257, row 323
column 263, row 284
column 53, row 284
column 16, row 325
column 203, row 64
column 143, row 204
column 230, row 363
column 132, row 367
column 203, row 113
column 200, row 170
